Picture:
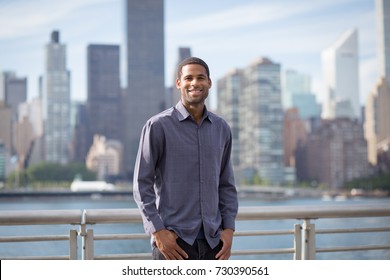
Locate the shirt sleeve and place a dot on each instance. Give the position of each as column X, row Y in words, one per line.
column 228, row 202
column 149, row 153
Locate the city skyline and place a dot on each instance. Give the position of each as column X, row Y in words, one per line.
column 227, row 37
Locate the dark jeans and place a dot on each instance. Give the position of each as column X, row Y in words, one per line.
column 200, row 250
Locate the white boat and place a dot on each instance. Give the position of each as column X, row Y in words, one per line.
column 88, row 186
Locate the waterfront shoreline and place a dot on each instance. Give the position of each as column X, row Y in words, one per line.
column 264, row 193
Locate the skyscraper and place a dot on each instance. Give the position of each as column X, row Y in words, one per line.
column 103, row 92
column 229, row 92
column 261, row 121
column 56, row 100
column 341, row 78
column 377, row 109
column 145, row 71
column 383, row 37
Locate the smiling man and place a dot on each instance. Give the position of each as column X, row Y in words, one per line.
column 183, row 177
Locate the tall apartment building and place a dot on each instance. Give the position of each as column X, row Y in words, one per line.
column 335, row 153
column 341, row 77
column 229, row 93
column 56, row 101
column 261, row 121
column 377, row 109
column 377, row 115
column 103, row 103
column 145, row 71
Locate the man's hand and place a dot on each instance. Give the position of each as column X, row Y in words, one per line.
column 227, row 240
column 166, row 243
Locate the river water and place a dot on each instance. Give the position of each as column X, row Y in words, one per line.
column 257, row 242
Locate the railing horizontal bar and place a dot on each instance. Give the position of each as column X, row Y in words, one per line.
column 40, row 217
column 354, row 248
column 139, row 256
column 263, row 252
column 120, row 236
column 36, row 258
column 263, row 232
column 312, row 212
column 145, row 236
column 34, row 238
column 107, row 216
column 124, row 216
column 352, row 230
column 235, row 253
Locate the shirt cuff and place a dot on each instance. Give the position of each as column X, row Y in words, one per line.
column 154, row 226
column 229, row 223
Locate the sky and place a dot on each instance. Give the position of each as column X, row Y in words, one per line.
column 227, row 34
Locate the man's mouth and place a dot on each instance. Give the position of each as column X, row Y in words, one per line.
column 198, row 91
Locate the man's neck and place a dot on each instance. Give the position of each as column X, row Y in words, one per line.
column 196, row 111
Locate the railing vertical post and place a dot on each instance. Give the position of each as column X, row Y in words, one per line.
column 86, row 238
column 297, row 242
column 73, row 244
column 309, row 243
column 88, row 248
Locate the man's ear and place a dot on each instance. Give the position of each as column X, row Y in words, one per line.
column 178, row 83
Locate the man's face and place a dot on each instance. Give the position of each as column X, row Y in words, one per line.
column 193, row 84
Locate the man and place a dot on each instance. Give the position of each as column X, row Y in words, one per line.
column 183, row 177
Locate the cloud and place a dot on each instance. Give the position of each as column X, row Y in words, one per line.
column 260, row 12
column 24, row 18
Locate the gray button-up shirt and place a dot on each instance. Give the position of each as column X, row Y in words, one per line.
column 183, row 176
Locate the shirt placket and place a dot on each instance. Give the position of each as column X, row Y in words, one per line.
column 201, row 173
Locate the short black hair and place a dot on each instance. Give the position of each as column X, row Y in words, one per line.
column 192, row 60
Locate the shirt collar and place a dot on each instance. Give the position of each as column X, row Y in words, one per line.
column 183, row 113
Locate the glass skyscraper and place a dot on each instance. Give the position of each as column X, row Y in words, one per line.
column 261, row 121
column 341, row 77
column 103, row 91
column 56, row 98
column 145, row 95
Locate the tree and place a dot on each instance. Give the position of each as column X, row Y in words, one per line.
column 50, row 173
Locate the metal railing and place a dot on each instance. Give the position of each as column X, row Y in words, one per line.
column 304, row 233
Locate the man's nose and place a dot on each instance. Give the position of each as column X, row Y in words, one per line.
column 194, row 82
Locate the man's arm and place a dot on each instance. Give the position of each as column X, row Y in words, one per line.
column 149, row 151
column 228, row 202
